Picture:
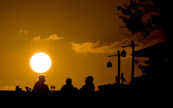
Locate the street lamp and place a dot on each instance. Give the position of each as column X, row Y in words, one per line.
column 133, row 56
column 123, row 53
column 109, row 65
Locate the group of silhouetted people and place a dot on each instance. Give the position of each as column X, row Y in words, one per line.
column 68, row 89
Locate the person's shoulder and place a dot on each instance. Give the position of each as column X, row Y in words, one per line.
column 36, row 84
column 64, row 86
column 45, row 85
column 83, row 87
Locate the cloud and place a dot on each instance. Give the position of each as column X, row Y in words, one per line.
column 96, row 47
column 23, row 32
column 52, row 37
column 7, row 87
column 93, row 47
column 38, row 38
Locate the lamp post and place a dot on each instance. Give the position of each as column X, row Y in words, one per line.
column 133, row 56
column 109, row 65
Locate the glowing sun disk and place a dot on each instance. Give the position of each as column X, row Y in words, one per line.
column 40, row 62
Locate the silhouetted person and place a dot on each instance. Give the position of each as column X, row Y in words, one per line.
column 40, row 87
column 68, row 88
column 122, row 78
column 89, row 87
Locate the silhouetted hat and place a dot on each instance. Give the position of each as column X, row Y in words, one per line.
column 41, row 78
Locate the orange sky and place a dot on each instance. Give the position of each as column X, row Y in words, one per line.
column 78, row 35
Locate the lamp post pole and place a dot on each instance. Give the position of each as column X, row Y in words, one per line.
column 133, row 57
column 118, row 54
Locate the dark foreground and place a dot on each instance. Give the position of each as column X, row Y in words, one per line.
column 118, row 93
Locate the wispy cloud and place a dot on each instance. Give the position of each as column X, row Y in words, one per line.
column 98, row 47
column 7, row 87
column 38, row 38
column 93, row 47
column 52, row 37
column 23, row 32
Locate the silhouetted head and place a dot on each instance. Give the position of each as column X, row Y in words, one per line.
column 89, row 80
column 41, row 78
column 68, row 80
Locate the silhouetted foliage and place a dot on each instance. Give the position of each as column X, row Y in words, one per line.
column 158, row 68
column 147, row 15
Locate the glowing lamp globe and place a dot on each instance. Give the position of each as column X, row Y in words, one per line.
column 40, row 62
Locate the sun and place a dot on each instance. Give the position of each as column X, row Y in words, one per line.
column 40, row 62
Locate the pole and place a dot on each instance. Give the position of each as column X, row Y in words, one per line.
column 118, row 52
column 118, row 76
column 133, row 58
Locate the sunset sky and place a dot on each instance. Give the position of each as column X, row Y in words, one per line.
column 78, row 35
